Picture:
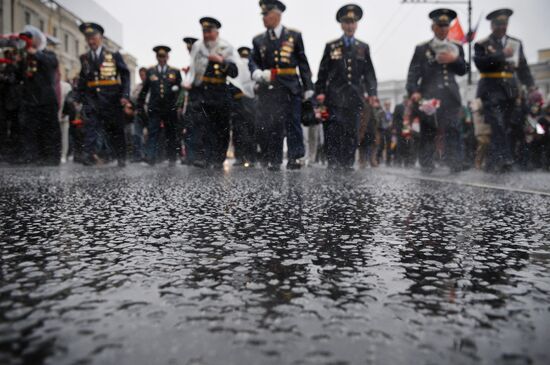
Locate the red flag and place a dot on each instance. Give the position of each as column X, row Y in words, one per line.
column 456, row 33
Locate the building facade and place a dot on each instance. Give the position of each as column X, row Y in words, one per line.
column 57, row 21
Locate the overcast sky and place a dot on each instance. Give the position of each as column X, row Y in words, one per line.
column 391, row 28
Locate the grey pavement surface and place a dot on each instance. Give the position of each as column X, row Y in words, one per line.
column 184, row 266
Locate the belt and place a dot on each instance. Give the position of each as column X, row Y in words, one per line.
column 212, row 80
column 284, row 71
column 496, row 75
column 102, row 83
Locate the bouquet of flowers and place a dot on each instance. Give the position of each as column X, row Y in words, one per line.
column 429, row 107
column 321, row 113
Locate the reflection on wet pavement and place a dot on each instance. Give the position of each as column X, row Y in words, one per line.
column 153, row 266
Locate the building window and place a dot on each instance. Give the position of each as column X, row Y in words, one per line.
column 66, row 43
column 41, row 25
column 55, row 32
column 76, row 47
column 27, row 17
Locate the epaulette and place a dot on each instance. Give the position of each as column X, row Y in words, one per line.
column 425, row 43
column 293, row 30
column 362, row 43
column 483, row 40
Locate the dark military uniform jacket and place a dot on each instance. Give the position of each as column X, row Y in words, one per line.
column 103, row 82
column 435, row 80
column 163, row 87
column 285, row 53
column 214, row 88
column 491, row 61
column 346, row 74
column 39, row 78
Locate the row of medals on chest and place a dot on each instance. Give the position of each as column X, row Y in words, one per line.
column 284, row 53
column 168, row 75
column 336, row 52
column 107, row 70
column 32, row 66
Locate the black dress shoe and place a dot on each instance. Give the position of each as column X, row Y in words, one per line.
column 273, row 167
column 507, row 166
column 293, row 165
column 427, row 169
column 200, row 164
column 88, row 161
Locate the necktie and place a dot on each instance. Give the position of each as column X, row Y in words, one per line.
column 272, row 34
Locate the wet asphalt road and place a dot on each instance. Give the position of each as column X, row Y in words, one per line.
column 184, row 266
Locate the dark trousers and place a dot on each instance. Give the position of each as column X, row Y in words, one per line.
column 167, row 121
column 341, row 135
column 77, row 139
column 445, row 124
column 406, row 153
column 42, row 134
column 426, row 150
column 138, row 147
column 212, row 131
column 190, row 134
column 10, row 133
column 104, row 125
column 278, row 110
column 546, row 151
column 498, row 113
column 294, row 131
column 243, row 114
column 516, row 136
column 385, row 145
column 190, row 127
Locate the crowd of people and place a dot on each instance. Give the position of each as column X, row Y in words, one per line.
column 256, row 98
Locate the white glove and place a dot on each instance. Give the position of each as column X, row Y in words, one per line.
column 266, row 75
column 309, row 94
column 257, row 76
